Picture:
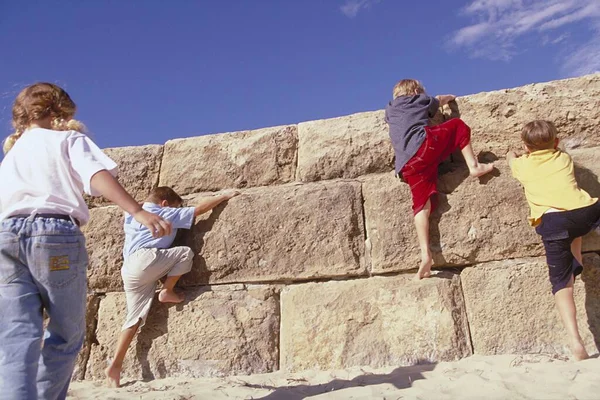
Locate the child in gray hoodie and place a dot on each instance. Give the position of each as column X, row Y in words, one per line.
column 420, row 148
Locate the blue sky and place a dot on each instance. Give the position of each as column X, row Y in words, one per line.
column 148, row 71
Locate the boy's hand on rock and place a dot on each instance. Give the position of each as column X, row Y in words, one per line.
column 157, row 226
column 230, row 193
column 447, row 98
column 511, row 155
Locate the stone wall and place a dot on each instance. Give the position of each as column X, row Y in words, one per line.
column 310, row 267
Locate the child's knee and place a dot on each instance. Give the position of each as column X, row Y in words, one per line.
column 188, row 254
column 185, row 264
column 463, row 132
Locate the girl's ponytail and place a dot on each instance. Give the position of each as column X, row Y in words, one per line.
column 10, row 141
column 59, row 124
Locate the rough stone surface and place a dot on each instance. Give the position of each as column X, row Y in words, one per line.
column 511, row 309
column 242, row 159
column 344, row 147
column 497, row 117
column 587, row 169
column 283, row 233
column 216, row 331
column 378, row 321
column 93, row 301
column 139, row 167
column 104, row 241
column 477, row 220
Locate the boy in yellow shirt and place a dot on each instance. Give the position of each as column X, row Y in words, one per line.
column 561, row 213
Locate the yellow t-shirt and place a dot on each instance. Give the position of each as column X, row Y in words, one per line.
column 549, row 180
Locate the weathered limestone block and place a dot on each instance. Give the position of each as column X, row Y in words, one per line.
column 344, row 147
column 242, row 159
column 497, row 117
column 104, row 241
column 476, row 221
column 287, row 232
column 217, row 331
column 377, row 322
column 511, row 309
column 139, row 167
column 93, row 301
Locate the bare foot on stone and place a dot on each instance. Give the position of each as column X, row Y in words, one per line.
column 480, row 170
column 169, row 296
column 579, row 352
column 113, row 377
column 425, row 267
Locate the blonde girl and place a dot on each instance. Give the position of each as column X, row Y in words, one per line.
column 49, row 163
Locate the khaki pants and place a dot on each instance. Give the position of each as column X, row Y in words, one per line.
column 140, row 272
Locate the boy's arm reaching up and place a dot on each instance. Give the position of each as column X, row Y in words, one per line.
column 208, row 203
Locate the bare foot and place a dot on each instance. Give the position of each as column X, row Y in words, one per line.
column 169, row 296
column 579, row 352
column 113, row 376
column 425, row 267
column 481, row 169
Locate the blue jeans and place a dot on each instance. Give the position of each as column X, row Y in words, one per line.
column 43, row 263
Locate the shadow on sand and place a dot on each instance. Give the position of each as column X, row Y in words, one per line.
column 400, row 378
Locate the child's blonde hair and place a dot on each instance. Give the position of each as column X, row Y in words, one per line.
column 539, row 135
column 40, row 101
column 408, row 87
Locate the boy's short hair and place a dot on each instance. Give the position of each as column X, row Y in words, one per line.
column 539, row 135
column 407, row 87
column 161, row 193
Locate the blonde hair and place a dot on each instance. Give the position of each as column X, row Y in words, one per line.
column 40, row 101
column 408, row 87
column 539, row 135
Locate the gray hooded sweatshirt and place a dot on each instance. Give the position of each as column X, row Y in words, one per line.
column 407, row 117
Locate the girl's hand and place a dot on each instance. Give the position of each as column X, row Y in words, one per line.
column 157, row 226
column 110, row 188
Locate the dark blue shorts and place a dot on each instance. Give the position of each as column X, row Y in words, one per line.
column 558, row 229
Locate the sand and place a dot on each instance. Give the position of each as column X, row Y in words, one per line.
column 477, row 377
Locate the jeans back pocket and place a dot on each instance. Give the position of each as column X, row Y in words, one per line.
column 58, row 263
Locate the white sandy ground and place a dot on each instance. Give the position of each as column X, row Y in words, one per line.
column 478, row 377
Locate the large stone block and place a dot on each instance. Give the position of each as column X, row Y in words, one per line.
column 477, row 220
column 344, row 147
column 242, row 159
column 283, row 233
column 139, row 167
column 104, row 241
column 93, row 302
column 377, row 322
column 217, row 331
column 511, row 308
column 497, row 117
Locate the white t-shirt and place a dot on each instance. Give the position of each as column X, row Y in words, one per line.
column 47, row 172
